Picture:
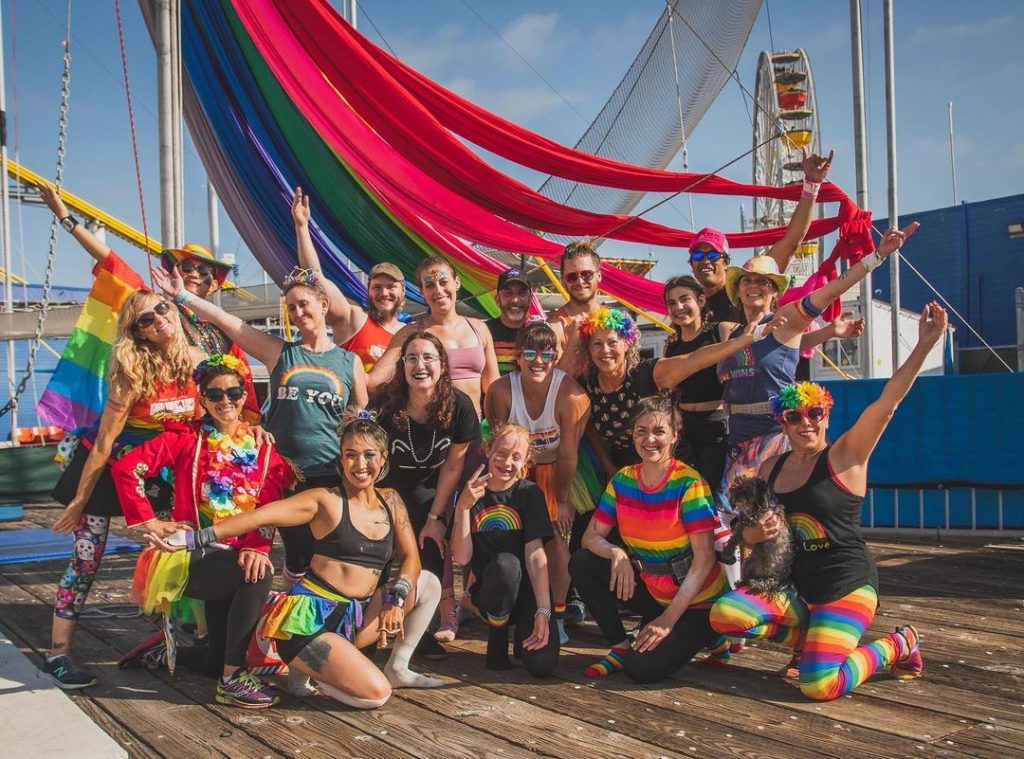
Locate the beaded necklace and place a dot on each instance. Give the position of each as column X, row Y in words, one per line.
column 206, row 336
column 231, row 480
column 412, row 450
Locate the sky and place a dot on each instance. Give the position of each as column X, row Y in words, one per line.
column 965, row 52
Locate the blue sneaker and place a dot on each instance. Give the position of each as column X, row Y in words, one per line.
column 66, row 675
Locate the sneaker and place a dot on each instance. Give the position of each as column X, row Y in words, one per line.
column 66, row 675
column 149, row 654
column 429, row 648
column 910, row 666
column 245, row 691
column 575, row 613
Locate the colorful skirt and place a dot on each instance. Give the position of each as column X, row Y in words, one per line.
column 589, row 483
column 159, row 579
column 305, row 608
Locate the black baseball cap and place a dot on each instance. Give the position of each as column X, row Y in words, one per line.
column 514, row 274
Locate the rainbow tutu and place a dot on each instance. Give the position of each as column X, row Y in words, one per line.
column 304, row 610
column 589, row 483
column 159, row 579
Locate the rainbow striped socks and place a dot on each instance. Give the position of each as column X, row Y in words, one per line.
column 611, row 662
column 908, row 664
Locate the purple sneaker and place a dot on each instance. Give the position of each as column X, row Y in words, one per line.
column 245, row 691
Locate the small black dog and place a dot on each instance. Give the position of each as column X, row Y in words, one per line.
column 766, row 569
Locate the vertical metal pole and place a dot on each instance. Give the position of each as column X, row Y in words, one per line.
column 861, row 161
column 952, row 154
column 1018, row 295
column 5, row 219
column 212, row 212
column 165, row 96
column 352, row 13
column 894, row 217
column 177, row 124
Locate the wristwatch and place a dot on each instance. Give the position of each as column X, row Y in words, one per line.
column 69, row 223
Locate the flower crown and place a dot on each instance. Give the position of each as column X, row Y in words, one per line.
column 613, row 319
column 800, row 395
column 304, row 277
column 233, row 363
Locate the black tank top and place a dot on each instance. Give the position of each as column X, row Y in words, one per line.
column 703, row 385
column 346, row 543
column 831, row 559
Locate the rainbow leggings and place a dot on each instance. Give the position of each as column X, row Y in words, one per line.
column 832, row 664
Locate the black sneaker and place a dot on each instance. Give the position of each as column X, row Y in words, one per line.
column 429, row 648
column 66, row 675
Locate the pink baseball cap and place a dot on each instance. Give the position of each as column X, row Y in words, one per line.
column 713, row 237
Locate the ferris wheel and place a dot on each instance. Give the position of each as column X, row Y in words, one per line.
column 787, row 107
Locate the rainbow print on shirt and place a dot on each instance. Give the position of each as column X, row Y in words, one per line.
column 313, row 384
column 808, row 532
column 497, row 518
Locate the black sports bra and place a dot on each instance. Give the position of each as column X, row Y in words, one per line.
column 348, row 544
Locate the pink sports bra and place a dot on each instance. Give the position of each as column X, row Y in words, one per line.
column 466, row 363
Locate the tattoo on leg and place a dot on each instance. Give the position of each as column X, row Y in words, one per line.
column 315, row 654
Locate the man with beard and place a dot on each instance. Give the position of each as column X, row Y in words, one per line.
column 513, row 296
column 203, row 275
column 581, row 275
column 709, row 250
column 365, row 333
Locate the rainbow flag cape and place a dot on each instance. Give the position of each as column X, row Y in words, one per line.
column 75, row 395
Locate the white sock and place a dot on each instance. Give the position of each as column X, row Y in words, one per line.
column 359, row 703
column 428, row 593
column 298, row 684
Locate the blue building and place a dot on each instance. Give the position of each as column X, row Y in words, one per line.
column 974, row 255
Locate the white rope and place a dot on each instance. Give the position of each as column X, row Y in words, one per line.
column 679, row 104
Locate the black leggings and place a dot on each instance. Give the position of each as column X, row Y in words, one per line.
column 500, row 592
column 431, row 559
column 705, row 443
column 233, row 608
column 298, row 541
column 692, row 633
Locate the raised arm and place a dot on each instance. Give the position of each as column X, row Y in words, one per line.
column 819, row 299
column 852, row 450
column 843, row 327
column 669, row 372
column 341, row 314
column 263, row 346
column 815, row 171
column 85, row 238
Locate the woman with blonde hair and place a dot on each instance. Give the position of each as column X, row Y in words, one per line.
column 150, row 385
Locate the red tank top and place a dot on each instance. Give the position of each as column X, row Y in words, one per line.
column 368, row 343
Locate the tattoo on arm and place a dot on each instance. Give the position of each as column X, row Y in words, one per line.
column 315, row 654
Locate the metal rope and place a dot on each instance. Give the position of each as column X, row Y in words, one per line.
column 62, row 135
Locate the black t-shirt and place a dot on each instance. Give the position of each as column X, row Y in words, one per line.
column 718, row 308
column 504, row 344
column 504, row 522
column 703, row 385
column 830, row 558
column 612, row 413
column 417, row 451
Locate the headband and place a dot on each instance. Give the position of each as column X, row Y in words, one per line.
column 800, row 395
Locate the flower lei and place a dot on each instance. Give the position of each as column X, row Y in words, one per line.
column 231, row 482
column 800, row 395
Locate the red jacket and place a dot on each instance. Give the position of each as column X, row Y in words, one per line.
column 180, row 447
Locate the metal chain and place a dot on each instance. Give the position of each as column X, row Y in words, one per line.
column 62, row 136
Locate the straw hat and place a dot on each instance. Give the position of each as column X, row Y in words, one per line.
column 196, row 252
column 763, row 266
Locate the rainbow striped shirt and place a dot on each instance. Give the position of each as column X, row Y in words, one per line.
column 656, row 524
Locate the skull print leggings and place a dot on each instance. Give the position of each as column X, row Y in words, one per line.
column 90, row 540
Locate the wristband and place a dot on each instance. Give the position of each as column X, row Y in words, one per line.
column 199, row 538
column 391, row 599
column 542, row 612
column 810, row 191
column 400, row 589
column 69, row 223
column 807, row 309
column 436, row 518
column 185, row 298
column 872, row 261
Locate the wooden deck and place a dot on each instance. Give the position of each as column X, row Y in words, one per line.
column 966, row 600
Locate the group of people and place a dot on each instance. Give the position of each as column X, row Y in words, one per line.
column 563, row 473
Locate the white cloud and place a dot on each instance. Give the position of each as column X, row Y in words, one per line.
column 534, row 35
column 924, row 35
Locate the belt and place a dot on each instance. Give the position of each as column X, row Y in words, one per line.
column 748, row 408
column 661, row 569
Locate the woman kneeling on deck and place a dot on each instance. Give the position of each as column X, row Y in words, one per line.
column 821, row 488
column 501, row 526
column 339, row 606
column 666, row 519
column 219, row 470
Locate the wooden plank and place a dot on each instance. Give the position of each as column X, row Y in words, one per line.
column 987, row 740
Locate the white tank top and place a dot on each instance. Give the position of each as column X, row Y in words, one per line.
column 544, row 432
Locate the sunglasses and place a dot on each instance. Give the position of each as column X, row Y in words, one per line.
column 796, row 416
column 763, row 283
column 547, row 356
column 712, row 256
column 146, row 319
column 187, row 267
column 586, row 275
column 216, row 394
